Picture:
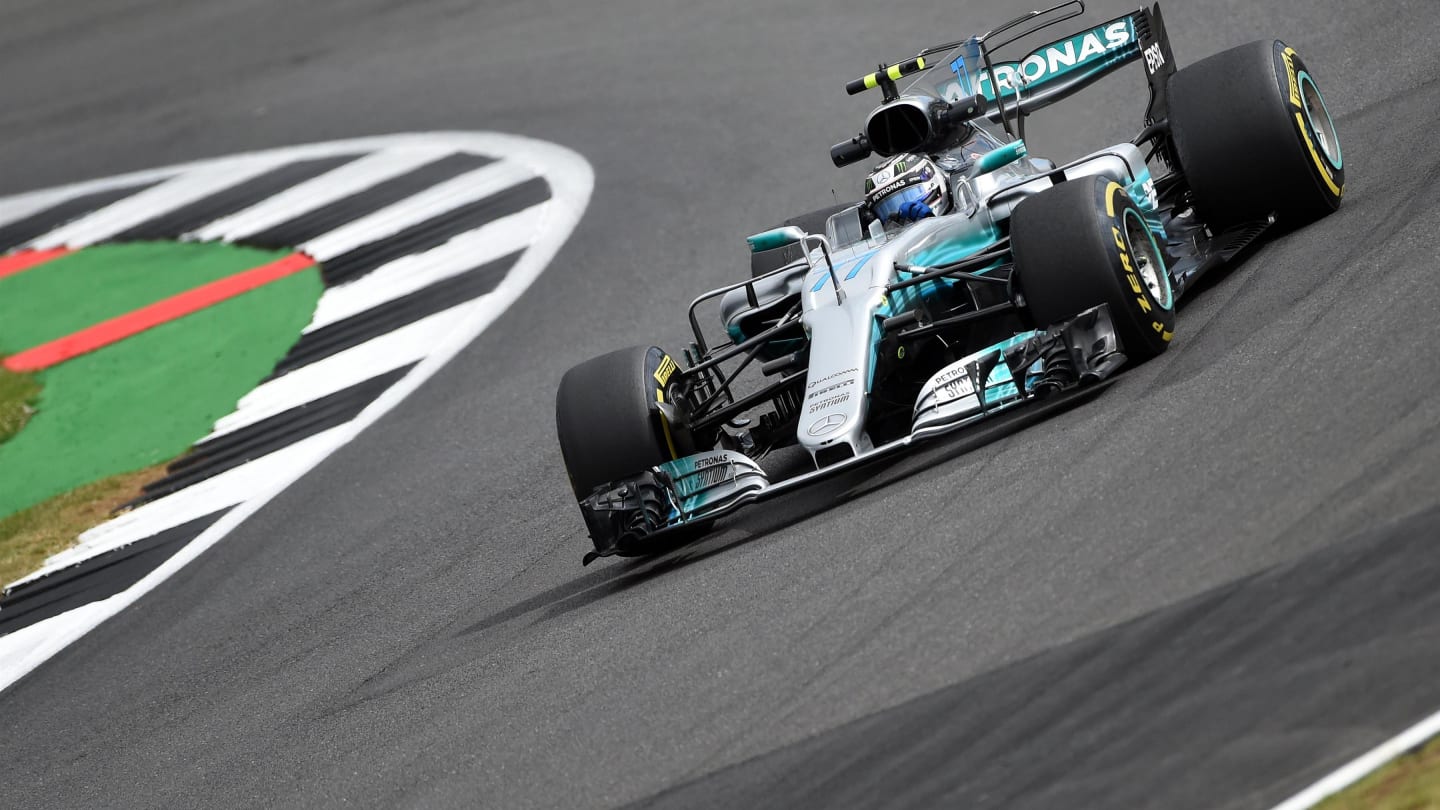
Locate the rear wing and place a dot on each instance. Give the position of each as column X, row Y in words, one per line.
column 1011, row 90
column 1064, row 67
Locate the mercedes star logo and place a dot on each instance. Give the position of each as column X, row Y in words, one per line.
column 829, row 424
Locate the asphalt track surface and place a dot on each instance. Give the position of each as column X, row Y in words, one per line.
column 1204, row 588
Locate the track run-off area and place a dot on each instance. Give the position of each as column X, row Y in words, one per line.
column 425, row 240
column 1209, row 586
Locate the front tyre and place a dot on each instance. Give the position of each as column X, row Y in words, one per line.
column 1085, row 243
column 1254, row 137
column 609, row 419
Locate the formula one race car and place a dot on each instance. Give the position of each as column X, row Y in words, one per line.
column 972, row 280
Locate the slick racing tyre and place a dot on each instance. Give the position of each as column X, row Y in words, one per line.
column 1254, row 137
column 1084, row 243
column 607, row 415
column 813, row 222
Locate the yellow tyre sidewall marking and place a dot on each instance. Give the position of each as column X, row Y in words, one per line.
column 662, row 374
column 1131, row 277
column 1289, row 58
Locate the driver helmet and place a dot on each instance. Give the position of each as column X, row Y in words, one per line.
column 903, row 179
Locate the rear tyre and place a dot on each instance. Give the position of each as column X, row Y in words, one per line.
column 608, row 418
column 813, row 222
column 1253, row 137
column 1085, row 243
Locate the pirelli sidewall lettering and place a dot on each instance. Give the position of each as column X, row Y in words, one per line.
column 659, row 368
column 1133, row 288
column 1291, row 74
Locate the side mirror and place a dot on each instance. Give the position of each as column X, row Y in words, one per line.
column 996, row 158
column 965, row 110
column 775, row 238
column 852, row 151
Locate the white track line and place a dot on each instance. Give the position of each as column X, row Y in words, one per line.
column 570, row 179
column 207, row 497
column 374, row 357
column 433, row 202
column 1364, row 765
column 155, row 201
column 20, row 206
column 15, row 209
column 29, row 647
column 451, row 141
column 334, row 185
column 419, row 270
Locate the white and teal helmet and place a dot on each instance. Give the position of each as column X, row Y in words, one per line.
column 903, row 179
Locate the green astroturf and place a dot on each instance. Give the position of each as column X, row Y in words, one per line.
column 144, row 399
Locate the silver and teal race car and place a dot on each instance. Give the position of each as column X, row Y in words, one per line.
column 862, row 331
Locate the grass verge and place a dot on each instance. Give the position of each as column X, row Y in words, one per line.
column 30, row 535
column 1411, row 782
column 18, row 393
column 147, row 398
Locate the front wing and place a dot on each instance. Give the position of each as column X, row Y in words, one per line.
column 629, row 517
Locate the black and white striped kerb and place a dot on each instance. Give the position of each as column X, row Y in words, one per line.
column 423, row 240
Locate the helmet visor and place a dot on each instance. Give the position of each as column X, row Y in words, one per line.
column 890, row 206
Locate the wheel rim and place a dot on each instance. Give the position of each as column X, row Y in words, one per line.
column 1149, row 264
column 1326, row 136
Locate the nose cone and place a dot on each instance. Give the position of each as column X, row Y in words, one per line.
column 832, row 417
